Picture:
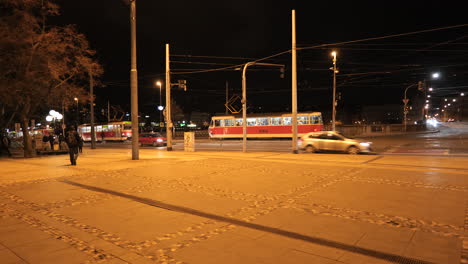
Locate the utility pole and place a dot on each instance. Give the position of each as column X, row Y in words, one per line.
column 134, row 82
column 91, row 99
column 334, row 92
column 294, row 85
column 168, row 102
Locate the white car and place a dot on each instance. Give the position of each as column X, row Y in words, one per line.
column 332, row 141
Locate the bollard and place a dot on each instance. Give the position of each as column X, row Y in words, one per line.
column 189, row 141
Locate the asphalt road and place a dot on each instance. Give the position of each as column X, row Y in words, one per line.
column 451, row 139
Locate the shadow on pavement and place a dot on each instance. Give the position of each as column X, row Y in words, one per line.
column 324, row 242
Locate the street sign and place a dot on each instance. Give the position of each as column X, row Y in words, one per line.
column 405, row 101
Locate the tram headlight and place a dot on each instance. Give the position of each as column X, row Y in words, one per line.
column 159, row 140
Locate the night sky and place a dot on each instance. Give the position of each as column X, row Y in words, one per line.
column 223, row 33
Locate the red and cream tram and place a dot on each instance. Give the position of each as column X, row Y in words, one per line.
column 118, row 131
column 264, row 126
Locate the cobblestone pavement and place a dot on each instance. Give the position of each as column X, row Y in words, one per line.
column 212, row 207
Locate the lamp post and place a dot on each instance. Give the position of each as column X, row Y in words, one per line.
column 334, row 91
column 77, row 112
column 405, row 107
column 134, row 82
column 244, row 99
column 159, row 84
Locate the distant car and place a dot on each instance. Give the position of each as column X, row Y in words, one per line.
column 152, row 139
column 332, row 141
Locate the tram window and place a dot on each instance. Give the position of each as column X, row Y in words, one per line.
column 239, row 122
column 262, row 121
column 127, row 127
column 287, row 120
column 314, row 119
column 275, row 121
column 251, row 121
column 228, row 122
column 302, row 120
column 217, row 123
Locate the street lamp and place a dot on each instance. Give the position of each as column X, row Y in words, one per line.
column 435, row 75
column 77, row 111
column 405, row 102
column 244, row 100
column 334, row 90
column 160, row 107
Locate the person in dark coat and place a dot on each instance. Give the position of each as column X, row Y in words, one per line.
column 80, row 145
column 5, row 144
column 51, row 140
column 73, row 140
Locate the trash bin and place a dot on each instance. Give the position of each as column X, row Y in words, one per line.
column 189, row 141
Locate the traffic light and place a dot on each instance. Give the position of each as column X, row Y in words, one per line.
column 183, row 84
column 282, row 72
column 421, row 86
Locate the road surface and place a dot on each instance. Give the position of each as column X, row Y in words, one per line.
column 451, row 139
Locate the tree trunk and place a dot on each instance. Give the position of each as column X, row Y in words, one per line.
column 28, row 149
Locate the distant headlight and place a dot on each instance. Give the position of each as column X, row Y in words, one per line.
column 364, row 144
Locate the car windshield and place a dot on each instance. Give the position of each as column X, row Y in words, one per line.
column 343, row 135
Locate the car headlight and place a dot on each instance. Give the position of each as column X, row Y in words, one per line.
column 364, row 144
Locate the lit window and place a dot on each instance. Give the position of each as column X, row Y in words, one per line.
column 275, row 121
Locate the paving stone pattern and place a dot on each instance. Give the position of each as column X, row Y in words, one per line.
column 233, row 208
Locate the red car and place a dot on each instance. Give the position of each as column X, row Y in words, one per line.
column 152, row 139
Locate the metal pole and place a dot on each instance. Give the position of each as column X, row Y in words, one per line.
column 108, row 111
column 334, row 94
column 63, row 120
column 168, row 102
column 134, row 82
column 294, row 85
column 91, row 99
column 244, row 107
column 160, row 104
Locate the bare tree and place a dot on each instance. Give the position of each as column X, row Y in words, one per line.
column 40, row 65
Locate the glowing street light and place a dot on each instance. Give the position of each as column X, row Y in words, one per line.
column 334, row 90
column 454, row 100
column 435, row 75
column 160, row 107
column 428, row 96
column 448, row 104
column 427, row 101
column 462, row 94
column 430, row 89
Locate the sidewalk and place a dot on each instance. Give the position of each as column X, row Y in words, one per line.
column 229, row 207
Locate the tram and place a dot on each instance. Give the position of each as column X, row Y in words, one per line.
column 265, row 126
column 113, row 131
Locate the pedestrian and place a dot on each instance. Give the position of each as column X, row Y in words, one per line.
column 60, row 140
column 51, row 140
column 72, row 138
column 80, row 144
column 5, row 144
